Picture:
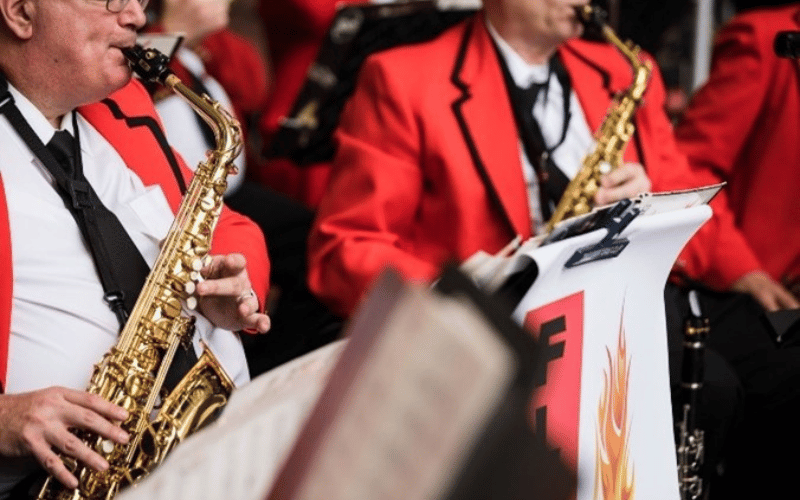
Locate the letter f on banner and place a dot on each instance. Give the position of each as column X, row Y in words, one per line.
column 558, row 326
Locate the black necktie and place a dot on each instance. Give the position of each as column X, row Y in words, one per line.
column 120, row 265
column 62, row 145
column 552, row 181
column 529, row 95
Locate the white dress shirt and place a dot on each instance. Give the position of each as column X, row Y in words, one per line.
column 549, row 114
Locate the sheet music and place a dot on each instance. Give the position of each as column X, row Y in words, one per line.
column 419, row 399
column 239, row 455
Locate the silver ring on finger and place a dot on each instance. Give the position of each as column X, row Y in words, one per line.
column 246, row 295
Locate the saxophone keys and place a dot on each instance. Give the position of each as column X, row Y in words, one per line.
column 107, row 446
column 604, row 167
column 208, row 203
column 581, row 208
column 171, row 307
column 191, row 303
column 189, row 287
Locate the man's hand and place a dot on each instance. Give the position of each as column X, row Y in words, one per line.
column 226, row 298
column 769, row 293
column 195, row 18
column 36, row 423
column 626, row 181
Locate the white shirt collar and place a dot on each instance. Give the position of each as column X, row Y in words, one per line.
column 36, row 119
column 39, row 122
column 523, row 73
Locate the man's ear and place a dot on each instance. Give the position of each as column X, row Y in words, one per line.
column 17, row 15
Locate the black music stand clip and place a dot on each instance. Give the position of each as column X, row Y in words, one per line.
column 615, row 221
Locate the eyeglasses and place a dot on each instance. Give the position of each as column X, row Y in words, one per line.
column 117, row 6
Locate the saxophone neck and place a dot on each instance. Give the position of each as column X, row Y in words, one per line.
column 594, row 16
column 151, row 65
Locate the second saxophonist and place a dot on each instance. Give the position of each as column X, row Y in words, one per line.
column 439, row 154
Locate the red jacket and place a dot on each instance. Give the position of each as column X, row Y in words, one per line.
column 428, row 166
column 743, row 127
column 128, row 121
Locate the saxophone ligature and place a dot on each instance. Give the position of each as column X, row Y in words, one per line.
column 691, row 439
column 132, row 372
column 614, row 133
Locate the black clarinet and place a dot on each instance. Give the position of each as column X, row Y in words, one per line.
column 691, row 449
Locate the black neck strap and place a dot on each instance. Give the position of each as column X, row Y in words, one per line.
column 78, row 196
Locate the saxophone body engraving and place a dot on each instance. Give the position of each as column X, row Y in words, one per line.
column 614, row 133
column 132, row 373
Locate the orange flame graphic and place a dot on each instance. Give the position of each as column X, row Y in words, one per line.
column 614, row 475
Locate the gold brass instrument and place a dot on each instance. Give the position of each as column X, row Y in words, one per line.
column 132, row 373
column 613, row 135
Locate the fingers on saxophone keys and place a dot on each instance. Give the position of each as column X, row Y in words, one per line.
column 53, row 465
column 74, row 447
column 191, row 288
column 195, row 278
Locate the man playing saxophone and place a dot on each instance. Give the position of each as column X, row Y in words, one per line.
column 62, row 68
column 432, row 165
column 435, row 161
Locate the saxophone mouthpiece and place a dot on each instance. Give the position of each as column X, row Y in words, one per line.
column 591, row 16
column 150, row 64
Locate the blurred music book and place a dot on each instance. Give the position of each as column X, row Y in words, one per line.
column 238, row 455
column 358, row 30
column 426, row 398
column 428, row 401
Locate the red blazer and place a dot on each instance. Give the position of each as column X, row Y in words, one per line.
column 128, row 121
column 428, row 166
column 743, row 127
column 295, row 30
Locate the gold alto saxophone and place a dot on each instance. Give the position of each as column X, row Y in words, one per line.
column 132, row 373
column 613, row 135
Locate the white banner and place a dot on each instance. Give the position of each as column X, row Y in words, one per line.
column 604, row 398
